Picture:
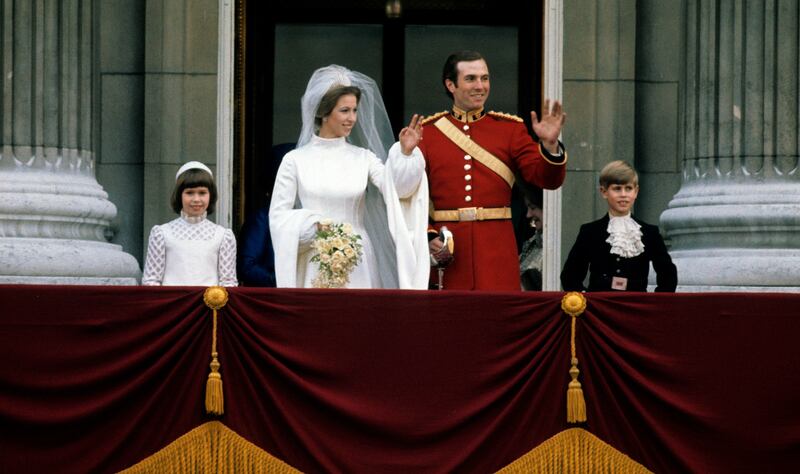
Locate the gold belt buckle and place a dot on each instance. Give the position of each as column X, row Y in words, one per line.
column 466, row 214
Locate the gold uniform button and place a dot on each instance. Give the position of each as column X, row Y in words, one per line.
column 467, row 157
column 467, row 167
column 468, row 187
column 468, row 177
column 468, row 198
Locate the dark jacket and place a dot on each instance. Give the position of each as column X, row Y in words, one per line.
column 256, row 262
column 592, row 253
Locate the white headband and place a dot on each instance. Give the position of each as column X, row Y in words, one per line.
column 193, row 165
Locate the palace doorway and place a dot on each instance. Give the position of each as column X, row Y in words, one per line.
column 402, row 44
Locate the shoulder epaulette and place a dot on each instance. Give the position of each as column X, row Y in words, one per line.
column 505, row 116
column 431, row 118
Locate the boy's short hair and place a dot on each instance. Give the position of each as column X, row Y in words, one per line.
column 618, row 172
column 193, row 178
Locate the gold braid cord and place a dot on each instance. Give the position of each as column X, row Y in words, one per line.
column 215, row 297
column 574, row 303
column 574, row 451
column 211, row 447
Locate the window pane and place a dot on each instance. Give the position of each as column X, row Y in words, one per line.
column 300, row 49
column 427, row 48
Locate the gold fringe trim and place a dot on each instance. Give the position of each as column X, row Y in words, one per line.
column 431, row 118
column 574, row 451
column 505, row 116
column 574, row 303
column 211, row 447
column 215, row 297
column 544, row 155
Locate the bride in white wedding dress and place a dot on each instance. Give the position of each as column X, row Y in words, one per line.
column 384, row 196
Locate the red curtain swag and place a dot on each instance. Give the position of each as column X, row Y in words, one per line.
column 96, row 379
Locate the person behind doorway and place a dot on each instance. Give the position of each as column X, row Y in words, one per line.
column 256, row 257
column 256, row 263
column 617, row 249
column 191, row 250
column 472, row 156
column 383, row 196
column 530, row 256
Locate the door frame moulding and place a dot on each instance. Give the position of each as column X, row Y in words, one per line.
column 226, row 65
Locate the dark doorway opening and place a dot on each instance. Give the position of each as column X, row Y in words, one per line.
column 405, row 50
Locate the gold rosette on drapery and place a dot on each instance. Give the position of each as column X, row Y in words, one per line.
column 215, row 297
column 574, row 303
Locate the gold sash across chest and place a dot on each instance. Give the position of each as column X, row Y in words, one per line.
column 476, row 151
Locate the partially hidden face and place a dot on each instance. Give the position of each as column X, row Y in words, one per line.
column 471, row 88
column 341, row 120
column 620, row 198
column 534, row 215
column 195, row 200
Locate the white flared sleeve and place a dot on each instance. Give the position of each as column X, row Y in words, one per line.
column 288, row 225
column 404, row 187
column 406, row 171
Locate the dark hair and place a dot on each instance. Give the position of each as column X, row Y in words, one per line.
column 450, row 70
column 193, row 178
column 329, row 100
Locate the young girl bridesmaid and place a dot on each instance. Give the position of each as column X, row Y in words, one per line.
column 191, row 250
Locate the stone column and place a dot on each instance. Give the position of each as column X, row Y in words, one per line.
column 180, row 110
column 54, row 216
column 599, row 61
column 734, row 225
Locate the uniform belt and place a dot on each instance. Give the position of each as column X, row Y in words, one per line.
column 466, row 214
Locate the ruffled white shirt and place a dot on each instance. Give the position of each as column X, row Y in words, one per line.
column 190, row 251
column 384, row 203
column 625, row 236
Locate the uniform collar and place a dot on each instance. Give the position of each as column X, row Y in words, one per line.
column 471, row 116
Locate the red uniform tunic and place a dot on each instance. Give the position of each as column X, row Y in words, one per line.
column 485, row 254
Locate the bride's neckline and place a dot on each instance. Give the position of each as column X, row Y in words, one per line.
column 332, row 141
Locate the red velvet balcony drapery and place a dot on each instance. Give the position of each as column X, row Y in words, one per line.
column 95, row 379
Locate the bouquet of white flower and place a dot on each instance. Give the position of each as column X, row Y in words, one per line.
column 337, row 251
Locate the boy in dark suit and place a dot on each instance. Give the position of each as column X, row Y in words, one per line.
column 617, row 249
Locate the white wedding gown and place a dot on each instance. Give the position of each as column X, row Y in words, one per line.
column 328, row 179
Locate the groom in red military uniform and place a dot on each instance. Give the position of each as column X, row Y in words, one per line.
column 472, row 158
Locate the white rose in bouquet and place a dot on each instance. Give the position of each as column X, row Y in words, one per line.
column 337, row 251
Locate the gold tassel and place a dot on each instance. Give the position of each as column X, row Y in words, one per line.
column 576, row 405
column 574, row 303
column 215, row 298
column 215, row 401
